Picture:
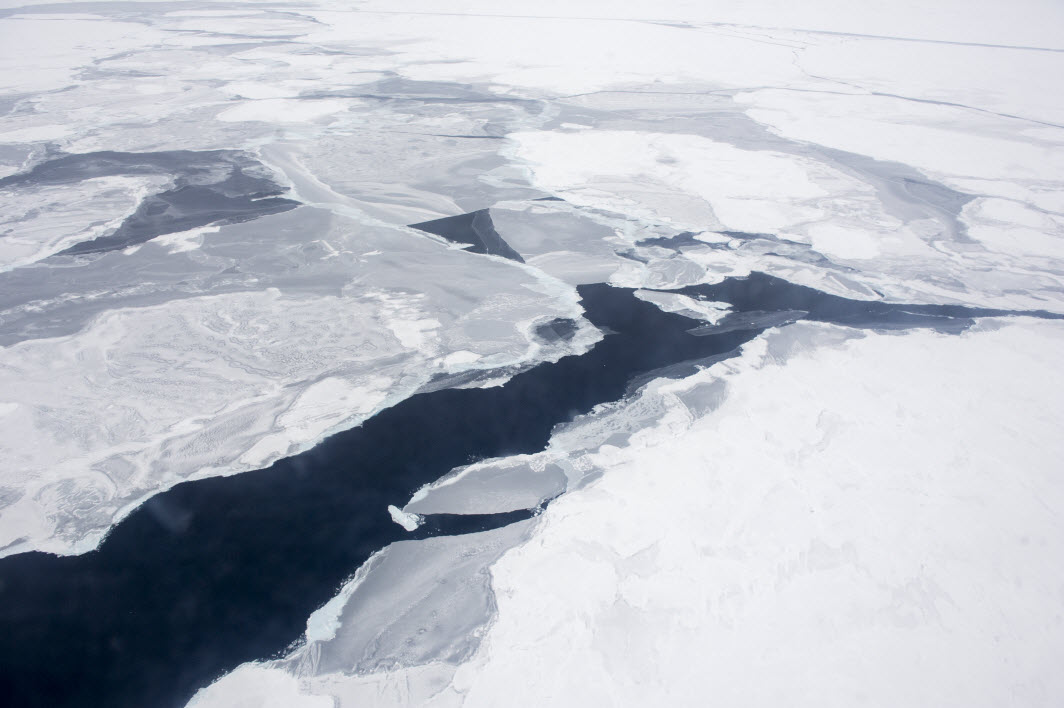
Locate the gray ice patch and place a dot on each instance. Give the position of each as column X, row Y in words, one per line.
column 680, row 370
column 209, row 187
column 548, row 228
column 397, row 89
column 904, row 192
column 679, row 241
column 56, row 297
column 560, row 328
column 749, row 320
column 788, row 342
column 12, row 157
column 475, row 229
column 561, row 241
column 491, row 487
column 704, row 398
column 415, row 602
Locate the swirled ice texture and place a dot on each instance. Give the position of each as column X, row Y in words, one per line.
column 883, row 151
column 252, row 345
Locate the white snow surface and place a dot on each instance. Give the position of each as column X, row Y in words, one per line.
column 765, row 541
column 711, row 312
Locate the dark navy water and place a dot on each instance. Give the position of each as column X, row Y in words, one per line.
column 560, row 328
column 216, row 572
column 476, row 229
column 765, row 294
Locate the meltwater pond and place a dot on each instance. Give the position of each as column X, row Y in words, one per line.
column 221, row 571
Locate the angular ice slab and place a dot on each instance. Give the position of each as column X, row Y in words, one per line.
column 475, row 229
column 560, row 240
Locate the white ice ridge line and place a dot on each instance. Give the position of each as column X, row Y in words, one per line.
column 869, row 92
column 696, row 25
column 890, row 38
column 861, row 91
column 964, row 106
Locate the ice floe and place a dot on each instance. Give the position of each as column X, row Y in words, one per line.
column 405, row 519
column 218, row 383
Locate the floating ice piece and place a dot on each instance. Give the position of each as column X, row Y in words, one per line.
column 706, row 310
column 561, row 241
column 492, row 486
column 405, row 519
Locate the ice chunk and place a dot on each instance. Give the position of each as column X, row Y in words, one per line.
column 492, row 486
column 405, row 519
column 708, row 311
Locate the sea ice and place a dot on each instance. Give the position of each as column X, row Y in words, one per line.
column 135, row 396
column 857, row 516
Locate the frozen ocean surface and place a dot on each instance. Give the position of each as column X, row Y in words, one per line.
column 579, row 354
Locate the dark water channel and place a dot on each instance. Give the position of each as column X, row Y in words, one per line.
column 216, row 572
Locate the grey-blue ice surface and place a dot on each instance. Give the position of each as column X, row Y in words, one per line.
column 229, row 231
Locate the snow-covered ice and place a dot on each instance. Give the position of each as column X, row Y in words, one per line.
column 757, row 553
